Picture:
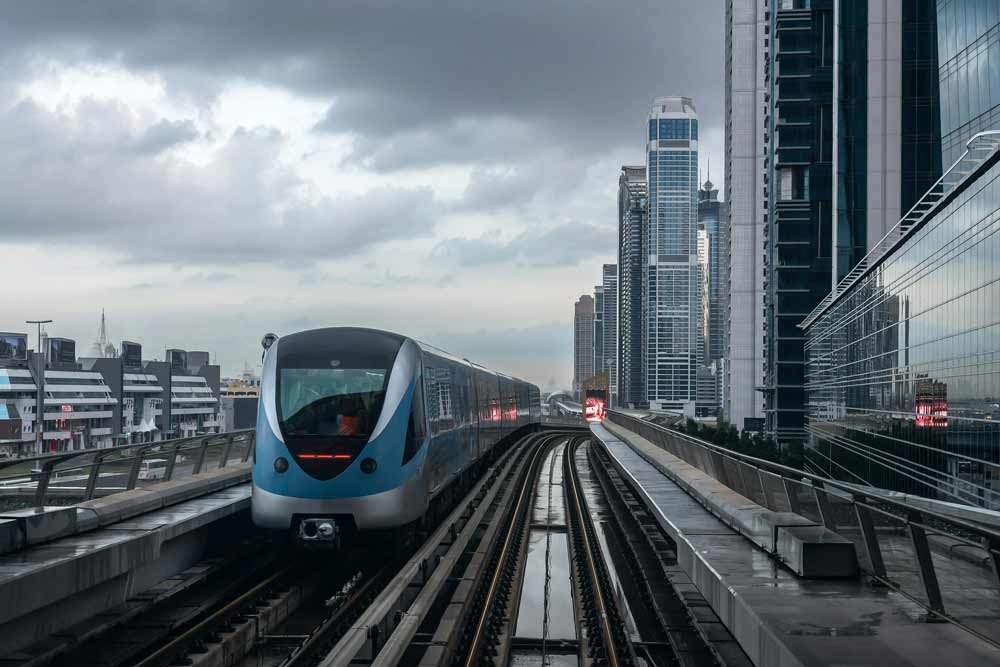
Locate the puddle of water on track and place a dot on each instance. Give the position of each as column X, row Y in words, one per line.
column 531, row 612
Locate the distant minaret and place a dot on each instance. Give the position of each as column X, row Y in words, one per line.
column 102, row 347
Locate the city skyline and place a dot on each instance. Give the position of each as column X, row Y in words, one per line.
column 209, row 137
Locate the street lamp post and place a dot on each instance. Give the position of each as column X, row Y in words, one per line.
column 38, row 365
column 39, row 323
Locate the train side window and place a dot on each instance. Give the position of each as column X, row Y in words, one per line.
column 415, row 431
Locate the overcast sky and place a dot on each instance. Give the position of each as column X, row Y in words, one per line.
column 208, row 171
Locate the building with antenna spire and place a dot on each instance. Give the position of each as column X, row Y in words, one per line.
column 102, row 347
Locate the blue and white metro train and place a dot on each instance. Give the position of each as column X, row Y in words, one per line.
column 360, row 429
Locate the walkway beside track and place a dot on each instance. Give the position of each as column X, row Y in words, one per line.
column 121, row 545
column 777, row 617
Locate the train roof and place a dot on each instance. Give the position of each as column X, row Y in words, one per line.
column 422, row 345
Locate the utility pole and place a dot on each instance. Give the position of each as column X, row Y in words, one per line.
column 37, row 365
column 39, row 323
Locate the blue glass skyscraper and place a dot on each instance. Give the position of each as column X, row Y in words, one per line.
column 670, row 277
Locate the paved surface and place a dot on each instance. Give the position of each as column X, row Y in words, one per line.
column 778, row 618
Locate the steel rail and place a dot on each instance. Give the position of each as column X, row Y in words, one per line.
column 580, row 520
column 377, row 624
column 166, row 654
column 519, row 510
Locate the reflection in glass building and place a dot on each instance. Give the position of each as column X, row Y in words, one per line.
column 903, row 359
column 968, row 40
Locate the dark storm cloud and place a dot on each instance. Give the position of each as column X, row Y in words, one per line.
column 82, row 178
column 562, row 245
column 412, row 80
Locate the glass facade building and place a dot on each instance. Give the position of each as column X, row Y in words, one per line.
column 631, row 258
column 800, row 231
column 670, row 282
column 887, row 137
column 903, row 373
column 968, row 41
column 712, row 218
column 609, row 278
column 598, row 328
column 583, row 341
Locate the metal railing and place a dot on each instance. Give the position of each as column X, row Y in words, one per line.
column 35, row 475
column 873, row 523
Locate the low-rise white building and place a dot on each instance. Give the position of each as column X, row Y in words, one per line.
column 79, row 411
column 194, row 408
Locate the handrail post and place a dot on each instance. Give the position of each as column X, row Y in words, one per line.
column 763, row 491
column 823, row 503
column 225, row 452
column 43, row 482
column 792, row 495
column 719, row 463
column 133, row 472
column 922, row 551
column 251, row 443
column 168, row 474
column 95, row 473
column 870, row 538
column 994, row 552
column 201, row 457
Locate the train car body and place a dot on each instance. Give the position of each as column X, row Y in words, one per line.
column 362, row 429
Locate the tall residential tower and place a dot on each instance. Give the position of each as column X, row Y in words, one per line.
column 609, row 278
column 583, row 341
column 671, row 280
column 632, row 216
column 747, row 134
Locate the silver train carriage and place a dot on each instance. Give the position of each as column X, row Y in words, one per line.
column 361, row 429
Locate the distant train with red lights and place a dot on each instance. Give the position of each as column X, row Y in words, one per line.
column 360, row 429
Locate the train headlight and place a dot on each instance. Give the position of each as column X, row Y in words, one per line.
column 280, row 464
column 368, row 466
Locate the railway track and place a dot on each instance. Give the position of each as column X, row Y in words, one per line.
column 549, row 558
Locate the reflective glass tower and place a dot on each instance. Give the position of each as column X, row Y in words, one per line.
column 712, row 217
column 599, row 353
column 583, row 341
column 968, row 40
column 800, row 230
column 632, row 216
column 671, row 274
column 609, row 278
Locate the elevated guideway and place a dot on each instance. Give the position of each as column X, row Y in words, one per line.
column 66, row 569
column 808, row 571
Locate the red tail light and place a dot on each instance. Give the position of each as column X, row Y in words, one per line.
column 338, row 457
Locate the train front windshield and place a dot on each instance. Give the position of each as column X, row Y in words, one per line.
column 330, row 391
column 331, row 401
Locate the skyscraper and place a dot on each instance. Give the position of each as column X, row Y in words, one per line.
column 969, row 71
column 671, row 281
column 747, row 135
column 610, row 327
column 886, row 126
column 583, row 341
column 712, row 217
column 704, row 280
column 599, row 328
column 632, row 216
column 800, row 233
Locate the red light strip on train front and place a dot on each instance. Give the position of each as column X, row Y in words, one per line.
column 324, row 456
